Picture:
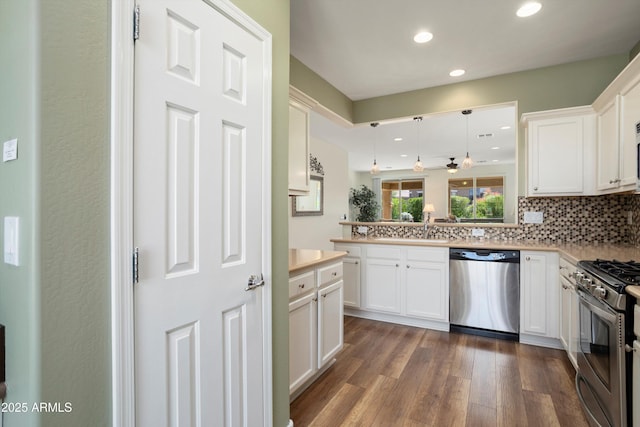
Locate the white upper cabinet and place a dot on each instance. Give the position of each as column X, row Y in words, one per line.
column 299, row 109
column 560, row 152
column 618, row 112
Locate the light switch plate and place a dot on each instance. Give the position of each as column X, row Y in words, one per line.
column 10, row 150
column 11, row 239
column 533, row 217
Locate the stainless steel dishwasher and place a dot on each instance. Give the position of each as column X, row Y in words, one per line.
column 484, row 292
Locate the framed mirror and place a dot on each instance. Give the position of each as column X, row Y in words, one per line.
column 311, row 204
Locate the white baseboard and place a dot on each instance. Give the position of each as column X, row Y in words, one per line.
column 401, row 320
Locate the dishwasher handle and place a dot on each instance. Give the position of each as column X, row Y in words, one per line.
column 464, row 254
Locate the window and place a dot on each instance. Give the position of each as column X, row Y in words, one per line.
column 402, row 200
column 477, row 199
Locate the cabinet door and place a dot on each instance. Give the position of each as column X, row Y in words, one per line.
column 298, row 149
column 629, row 117
column 556, row 159
column 427, row 290
column 330, row 322
column 303, row 340
column 382, row 290
column 351, row 270
column 608, row 147
column 539, row 294
column 569, row 320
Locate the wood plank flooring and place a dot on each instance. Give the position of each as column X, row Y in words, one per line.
column 394, row 375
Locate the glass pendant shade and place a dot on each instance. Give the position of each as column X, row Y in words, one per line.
column 467, row 163
column 418, row 167
column 375, row 169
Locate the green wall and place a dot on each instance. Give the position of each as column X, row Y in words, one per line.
column 307, row 81
column 56, row 305
column 273, row 15
column 19, row 293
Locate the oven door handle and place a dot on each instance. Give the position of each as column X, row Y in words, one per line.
column 604, row 314
column 587, row 410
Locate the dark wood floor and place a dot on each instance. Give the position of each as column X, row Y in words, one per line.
column 393, row 375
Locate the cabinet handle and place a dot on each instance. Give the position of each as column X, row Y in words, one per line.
column 408, row 266
column 324, row 295
column 527, row 258
column 357, row 262
column 334, row 274
column 535, row 188
column 301, row 286
column 397, row 265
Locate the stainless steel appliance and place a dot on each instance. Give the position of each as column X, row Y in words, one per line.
column 603, row 381
column 484, row 292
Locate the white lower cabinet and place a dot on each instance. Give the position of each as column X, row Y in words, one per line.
column 383, row 285
column 407, row 285
column 427, row 284
column 569, row 317
column 539, row 298
column 316, row 323
column 330, row 322
column 302, row 340
column 352, row 272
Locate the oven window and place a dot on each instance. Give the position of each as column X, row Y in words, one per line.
column 594, row 343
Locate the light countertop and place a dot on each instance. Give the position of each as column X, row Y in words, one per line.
column 634, row 291
column 303, row 258
column 574, row 252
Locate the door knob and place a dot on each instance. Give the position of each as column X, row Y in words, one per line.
column 254, row 282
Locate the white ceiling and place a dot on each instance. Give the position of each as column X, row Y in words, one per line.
column 365, row 49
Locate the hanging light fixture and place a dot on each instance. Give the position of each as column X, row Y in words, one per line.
column 418, row 167
column 467, row 163
column 452, row 167
column 375, row 169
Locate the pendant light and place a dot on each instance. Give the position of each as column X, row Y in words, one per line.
column 452, row 167
column 467, row 163
column 375, row 169
column 418, row 167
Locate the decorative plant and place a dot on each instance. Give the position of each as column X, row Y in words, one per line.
column 364, row 200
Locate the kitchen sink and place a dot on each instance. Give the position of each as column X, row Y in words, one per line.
column 401, row 240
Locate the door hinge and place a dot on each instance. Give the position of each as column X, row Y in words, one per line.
column 135, row 261
column 136, row 23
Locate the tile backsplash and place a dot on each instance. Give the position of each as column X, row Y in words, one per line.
column 596, row 219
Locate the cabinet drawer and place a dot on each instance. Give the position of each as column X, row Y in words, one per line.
column 636, row 320
column 329, row 273
column 353, row 251
column 383, row 252
column 428, row 254
column 301, row 284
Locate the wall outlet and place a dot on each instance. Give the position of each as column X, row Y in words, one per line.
column 477, row 232
column 533, row 217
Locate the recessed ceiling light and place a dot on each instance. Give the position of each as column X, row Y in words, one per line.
column 494, row 161
column 495, row 148
column 528, row 9
column 398, row 139
column 422, row 37
column 403, row 155
column 456, row 73
column 505, row 127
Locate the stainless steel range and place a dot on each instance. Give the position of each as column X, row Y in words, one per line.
column 603, row 381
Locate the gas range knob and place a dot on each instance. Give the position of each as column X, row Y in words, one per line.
column 586, row 281
column 600, row 292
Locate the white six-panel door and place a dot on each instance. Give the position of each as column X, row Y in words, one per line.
column 199, row 142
